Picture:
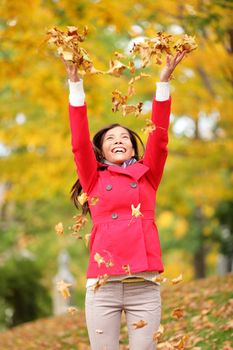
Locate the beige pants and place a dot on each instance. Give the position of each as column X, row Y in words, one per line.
column 139, row 300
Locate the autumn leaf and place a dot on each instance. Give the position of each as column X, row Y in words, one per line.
column 177, row 279
column 102, row 279
column 118, row 55
column 130, row 109
column 126, row 268
column 80, row 221
column 83, row 198
column 180, row 345
column 159, row 279
column 59, row 229
column 157, row 335
column 99, row 259
column 178, row 313
column 72, row 310
column 139, row 324
column 186, row 43
column 116, row 68
column 63, row 288
column 150, row 126
column 87, row 239
column 109, row 263
column 94, row 200
column 118, row 100
column 136, row 211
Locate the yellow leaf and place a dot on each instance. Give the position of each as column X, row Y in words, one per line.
column 99, row 259
column 83, row 198
column 59, row 229
column 63, row 289
column 177, row 279
column 136, row 211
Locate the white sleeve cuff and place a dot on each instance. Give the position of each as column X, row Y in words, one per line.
column 162, row 91
column 77, row 94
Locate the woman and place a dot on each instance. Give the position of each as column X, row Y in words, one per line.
column 124, row 242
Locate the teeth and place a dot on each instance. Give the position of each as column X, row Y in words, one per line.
column 120, row 150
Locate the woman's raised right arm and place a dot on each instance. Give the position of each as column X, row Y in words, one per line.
column 82, row 149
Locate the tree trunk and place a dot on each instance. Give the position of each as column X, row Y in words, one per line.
column 200, row 263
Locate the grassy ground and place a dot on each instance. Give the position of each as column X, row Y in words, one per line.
column 207, row 322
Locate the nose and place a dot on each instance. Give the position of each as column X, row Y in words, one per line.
column 117, row 142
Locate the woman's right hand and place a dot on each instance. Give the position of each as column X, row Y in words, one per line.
column 72, row 70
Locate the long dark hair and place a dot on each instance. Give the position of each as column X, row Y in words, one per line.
column 97, row 143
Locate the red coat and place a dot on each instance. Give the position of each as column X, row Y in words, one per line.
column 116, row 235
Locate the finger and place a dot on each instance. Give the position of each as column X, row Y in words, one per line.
column 180, row 56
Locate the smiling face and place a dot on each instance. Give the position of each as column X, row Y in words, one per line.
column 117, row 146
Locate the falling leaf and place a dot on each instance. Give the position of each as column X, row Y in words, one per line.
column 59, row 229
column 178, row 313
column 126, row 268
column 72, row 310
column 99, row 331
column 63, row 288
column 118, row 100
column 157, row 335
column 99, row 259
column 116, row 68
column 83, row 198
column 109, row 263
column 87, row 239
column 132, row 67
column 80, row 221
column 139, row 324
column 159, row 279
column 136, row 211
column 100, row 282
column 130, row 109
column 177, row 279
column 118, row 55
column 94, row 200
column 150, row 126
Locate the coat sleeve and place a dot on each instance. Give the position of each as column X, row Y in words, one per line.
column 156, row 149
column 82, row 149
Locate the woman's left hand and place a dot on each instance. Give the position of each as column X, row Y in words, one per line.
column 171, row 63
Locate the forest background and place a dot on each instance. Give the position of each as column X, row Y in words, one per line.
column 195, row 198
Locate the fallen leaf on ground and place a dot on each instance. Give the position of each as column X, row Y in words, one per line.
column 157, row 335
column 178, row 313
column 72, row 310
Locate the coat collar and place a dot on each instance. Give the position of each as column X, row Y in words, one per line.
column 135, row 170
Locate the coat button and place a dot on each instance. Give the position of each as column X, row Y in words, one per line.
column 133, row 184
column 114, row 216
column 108, row 187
